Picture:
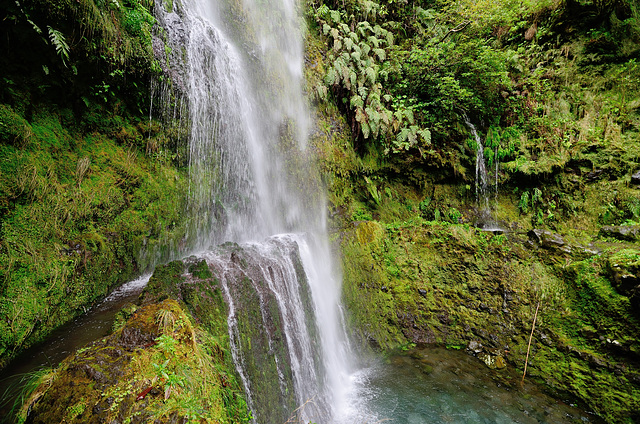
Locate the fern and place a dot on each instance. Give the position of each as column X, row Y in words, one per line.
column 348, row 43
column 356, row 101
column 60, row 43
column 371, row 75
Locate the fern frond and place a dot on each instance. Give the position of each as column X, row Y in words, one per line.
column 60, row 44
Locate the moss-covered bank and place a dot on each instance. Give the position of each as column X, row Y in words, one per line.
column 168, row 360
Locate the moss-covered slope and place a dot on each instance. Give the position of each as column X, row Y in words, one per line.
column 552, row 89
column 168, row 361
column 90, row 189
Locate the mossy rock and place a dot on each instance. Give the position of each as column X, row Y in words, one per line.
column 159, row 367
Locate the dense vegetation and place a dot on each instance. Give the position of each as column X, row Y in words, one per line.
column 92, row 191
column 90, row 194
column 553, row 89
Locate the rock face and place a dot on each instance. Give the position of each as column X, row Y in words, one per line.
column 635, row 178
column 480, row 291
column 624, row 269
column 621, row 232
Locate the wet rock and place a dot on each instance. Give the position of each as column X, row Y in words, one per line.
column 624, row 273
column 425, row 368
column 134, row 337
column 594, row 175
column 635, row 178
column 93, row 374
column 621, row 232
column 422, row 292
column 494, row 362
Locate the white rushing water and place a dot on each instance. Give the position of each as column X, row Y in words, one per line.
column 486, row 220
column 239, row 69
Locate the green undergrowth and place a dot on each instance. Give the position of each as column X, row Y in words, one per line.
column 81, row 212
column 417, row 271
column 91, row 190
column 161, row 366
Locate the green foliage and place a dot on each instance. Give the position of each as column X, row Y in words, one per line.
column 60, row 43
column 355, row 76
column 185, row 373
column 80, row 214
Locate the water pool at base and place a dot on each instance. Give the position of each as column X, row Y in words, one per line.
column 436, row 385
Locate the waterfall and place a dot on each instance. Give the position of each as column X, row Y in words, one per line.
column 235, row 87
column 482, row 180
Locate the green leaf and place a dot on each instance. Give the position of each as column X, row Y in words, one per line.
column 59, row 42
column 330, row 78
column 409, row 114
column 382, row 55
column 371, row 75
column 337, row 45
column 348, row 43
column 356, row 101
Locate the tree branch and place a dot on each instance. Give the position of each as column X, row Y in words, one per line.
column 459, row 28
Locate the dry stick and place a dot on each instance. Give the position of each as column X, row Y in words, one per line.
column 533, row 327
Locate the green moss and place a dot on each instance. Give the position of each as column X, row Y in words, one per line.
column 142, row 373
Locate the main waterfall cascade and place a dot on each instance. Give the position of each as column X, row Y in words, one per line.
column 236, row 75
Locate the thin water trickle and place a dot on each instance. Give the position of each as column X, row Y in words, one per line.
column 485, row 216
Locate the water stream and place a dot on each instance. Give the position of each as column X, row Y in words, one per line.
column 485, row 219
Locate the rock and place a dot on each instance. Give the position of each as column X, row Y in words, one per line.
column 494, row 362
column 474, row 347
column 594, row 175
column 549, row 240
column 422, row 292
column 621, row 232
column 624, row 273
column 635, row 178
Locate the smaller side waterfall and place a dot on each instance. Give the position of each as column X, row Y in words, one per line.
column 482, row 180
